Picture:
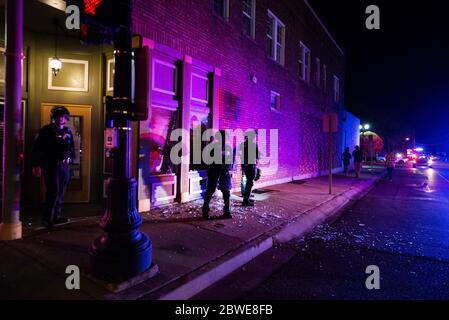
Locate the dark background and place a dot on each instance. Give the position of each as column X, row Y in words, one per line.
column 397, row 78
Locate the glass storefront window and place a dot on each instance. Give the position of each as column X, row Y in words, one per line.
column 155, row 145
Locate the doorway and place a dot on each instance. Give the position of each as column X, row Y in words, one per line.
column 80, row 124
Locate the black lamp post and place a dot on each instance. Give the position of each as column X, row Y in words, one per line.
column 123, row 251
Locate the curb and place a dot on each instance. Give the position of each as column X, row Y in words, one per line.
column 329, row 210
column 202, row 278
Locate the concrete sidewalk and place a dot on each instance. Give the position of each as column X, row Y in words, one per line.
column 190, row 253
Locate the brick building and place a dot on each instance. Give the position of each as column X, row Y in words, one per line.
column 266, row 64
column 223, row 64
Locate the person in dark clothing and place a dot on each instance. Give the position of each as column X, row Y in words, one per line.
column 53, row 151
column 249, row 153
column 219, row 172
column 358, row 158
column 346, row 157
column 390, row 163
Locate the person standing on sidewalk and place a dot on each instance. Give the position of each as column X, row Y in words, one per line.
column 358, row 158
column 346, row 157
column 249, row 153
column 219, row 172
column 53, row 151
column 390, row 163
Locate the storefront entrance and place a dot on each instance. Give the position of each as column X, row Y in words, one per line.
column 80, row 125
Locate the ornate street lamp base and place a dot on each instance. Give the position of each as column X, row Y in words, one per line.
column 118, row 264
column 122, row 252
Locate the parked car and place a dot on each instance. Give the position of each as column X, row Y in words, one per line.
column 423, row 160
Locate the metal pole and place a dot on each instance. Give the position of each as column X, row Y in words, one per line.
column 11, row 228
column 330, row 154
column 123, row 252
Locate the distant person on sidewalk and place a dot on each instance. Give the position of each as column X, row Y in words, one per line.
column 358, row 158
column 52, row 154
column 346, row 158
column 390, row 163
column 219, row 172
column 249, row 153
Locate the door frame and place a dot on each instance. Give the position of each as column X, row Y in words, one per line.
column 85, row 111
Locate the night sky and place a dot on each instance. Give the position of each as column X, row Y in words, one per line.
column 397, row 78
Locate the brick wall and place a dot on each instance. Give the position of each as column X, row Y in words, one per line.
column 190, row 27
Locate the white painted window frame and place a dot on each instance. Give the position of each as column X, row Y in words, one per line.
column 109, row 86
column 305, row 61
column 225, row 10
column 2, row 51
column 252, row 18
column 278, row 95
column 153, row 83
column 196, row 75
column 275, row 23
column 74, row 89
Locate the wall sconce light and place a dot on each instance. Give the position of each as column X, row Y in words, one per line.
column 55, row 63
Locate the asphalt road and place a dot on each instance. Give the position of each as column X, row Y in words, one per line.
column 402, row 227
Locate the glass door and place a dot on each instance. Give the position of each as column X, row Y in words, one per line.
column 80, row 124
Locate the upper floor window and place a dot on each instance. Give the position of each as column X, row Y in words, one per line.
column 336, row 89
column 275, row 38
column 304, row 62
column 318, row 72
column 221, row 8
column 249, row 18
column 324, row 78
column 275, row 101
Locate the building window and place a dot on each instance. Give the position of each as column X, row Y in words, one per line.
column 221, row 8
column 304, row 62
column 336, row 89
column 275, row 38
column 324, row 78
column 249, row 18
column 275, row 101
column 318, row 72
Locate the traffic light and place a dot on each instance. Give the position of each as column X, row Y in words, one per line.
column 99, row 20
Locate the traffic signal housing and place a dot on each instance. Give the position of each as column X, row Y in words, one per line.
column 99, row 20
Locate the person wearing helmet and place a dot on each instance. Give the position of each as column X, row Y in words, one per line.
column 53, row 151
column 219, row 173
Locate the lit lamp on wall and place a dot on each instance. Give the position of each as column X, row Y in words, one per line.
column 55, row 63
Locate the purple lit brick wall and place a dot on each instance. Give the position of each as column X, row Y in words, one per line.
column 191, row 28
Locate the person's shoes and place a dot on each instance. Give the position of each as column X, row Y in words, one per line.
column 227, row 214
column 248, row 204
column 61, row 221
column 206, row 213
column 47, row 224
